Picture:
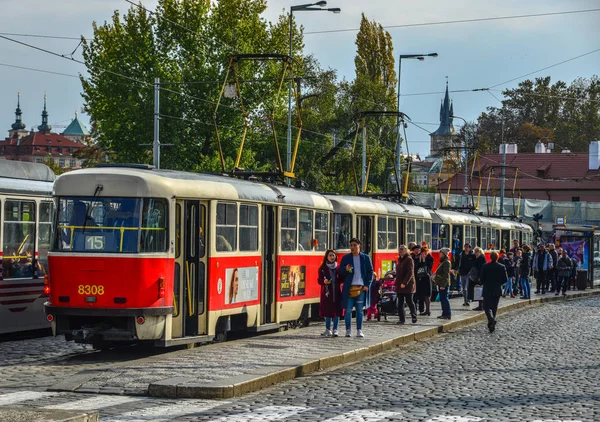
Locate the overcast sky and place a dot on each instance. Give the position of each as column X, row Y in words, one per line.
column 472, row 55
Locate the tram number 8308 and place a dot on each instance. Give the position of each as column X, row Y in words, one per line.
column 90, row 289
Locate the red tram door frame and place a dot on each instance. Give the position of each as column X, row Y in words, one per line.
column 267, row 297
column 193, row 299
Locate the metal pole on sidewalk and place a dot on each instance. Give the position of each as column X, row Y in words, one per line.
column 156, row 142
column 503, row 172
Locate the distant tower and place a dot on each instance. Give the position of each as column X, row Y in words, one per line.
column 19, row 129
column 76, row 131
column 445, row 136
column 44, row 127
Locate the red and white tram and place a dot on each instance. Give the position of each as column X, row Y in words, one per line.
column 178, row 258
column 26, row 215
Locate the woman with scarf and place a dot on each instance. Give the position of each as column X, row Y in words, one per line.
column 331, row 294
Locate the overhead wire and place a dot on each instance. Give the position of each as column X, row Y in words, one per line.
column 494, row 18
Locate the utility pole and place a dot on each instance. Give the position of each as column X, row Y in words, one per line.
column 156, row 142
column 364, row 158
column 503, row 171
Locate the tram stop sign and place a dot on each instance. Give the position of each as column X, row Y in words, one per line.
column 466, row 189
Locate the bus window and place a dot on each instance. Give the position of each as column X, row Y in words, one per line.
column 288, row 229
column 19, row 239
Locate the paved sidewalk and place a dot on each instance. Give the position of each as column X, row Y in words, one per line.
column 234, row 368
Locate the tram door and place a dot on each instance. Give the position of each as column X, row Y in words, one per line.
column 193, row 272
column 365, row 233
column 267, row 296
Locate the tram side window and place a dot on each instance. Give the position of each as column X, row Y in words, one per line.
column 427, row 230
column 410, row 231
column 439, row 236
column 248, row 228
column 493, row 237
column 392, row 233
column 226, row 227
column 44, row 234
column 341, row 235
column 321, row 226
column 154, row 226
column 471, row 235
column 420, row 233
column 288, row 229
column 381, row 232
column 19, row 239
column 305, row 242
column 485, row 235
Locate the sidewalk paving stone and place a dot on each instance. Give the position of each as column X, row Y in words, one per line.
column 224, row 370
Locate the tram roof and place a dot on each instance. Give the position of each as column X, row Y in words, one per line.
column 455, row 217
column 25, row 170
column 140, row 182
column 365, row 205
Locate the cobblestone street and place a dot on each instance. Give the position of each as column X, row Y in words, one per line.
column 541, row 364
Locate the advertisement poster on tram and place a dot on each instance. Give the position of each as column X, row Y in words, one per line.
column 292, row 280
column 578, row 250
column 241, row 285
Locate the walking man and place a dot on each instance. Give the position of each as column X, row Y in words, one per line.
column 463, row 265
column 541, row 264
column 356, row 272
column 493, row 276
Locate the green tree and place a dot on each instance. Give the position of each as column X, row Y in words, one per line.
column 186, row 43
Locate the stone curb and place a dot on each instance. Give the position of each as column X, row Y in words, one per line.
column 21, row 414
column 268, row 376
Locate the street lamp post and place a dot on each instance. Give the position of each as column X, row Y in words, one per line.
column 466, row 160
column 299, row 8
column 419, row 57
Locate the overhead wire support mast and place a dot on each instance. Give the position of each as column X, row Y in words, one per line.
column 366, row 156
column 232, row 67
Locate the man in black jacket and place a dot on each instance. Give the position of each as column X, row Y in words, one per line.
column 493, row 276
column 463, row 264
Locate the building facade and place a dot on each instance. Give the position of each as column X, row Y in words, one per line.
column 43, row 145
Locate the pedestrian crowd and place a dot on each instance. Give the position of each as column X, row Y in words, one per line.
column 351, row 285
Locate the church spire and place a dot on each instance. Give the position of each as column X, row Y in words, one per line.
column 446, row 111
column 18, row 124
column 44, row 127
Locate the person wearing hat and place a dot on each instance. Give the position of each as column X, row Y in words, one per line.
column 542, row 261
column 493, row 276
column 442, row 280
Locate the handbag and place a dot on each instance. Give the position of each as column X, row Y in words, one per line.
column 355, row 290
column 474, row 274
column 478, row 293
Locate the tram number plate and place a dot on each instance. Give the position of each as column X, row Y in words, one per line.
column 94, row 243
column 88, row 289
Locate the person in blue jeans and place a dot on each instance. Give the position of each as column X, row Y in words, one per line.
column 525, row 271
column 356, row 273
column 442, row 280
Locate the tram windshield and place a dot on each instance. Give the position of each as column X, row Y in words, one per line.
column 111, row 225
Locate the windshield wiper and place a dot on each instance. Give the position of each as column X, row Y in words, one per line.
column 88, row 211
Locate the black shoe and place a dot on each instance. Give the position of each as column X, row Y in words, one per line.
column 400, row 323
column 414, row 320
column 492, row 326
column 556, row 294
column 537, row 292
column 466, row 304
column 479, row 308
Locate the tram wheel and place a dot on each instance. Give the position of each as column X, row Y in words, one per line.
column 220, row 337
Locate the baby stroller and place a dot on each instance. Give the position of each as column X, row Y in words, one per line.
column 387, row 304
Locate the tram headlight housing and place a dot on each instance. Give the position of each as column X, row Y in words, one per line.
column 46, row 285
